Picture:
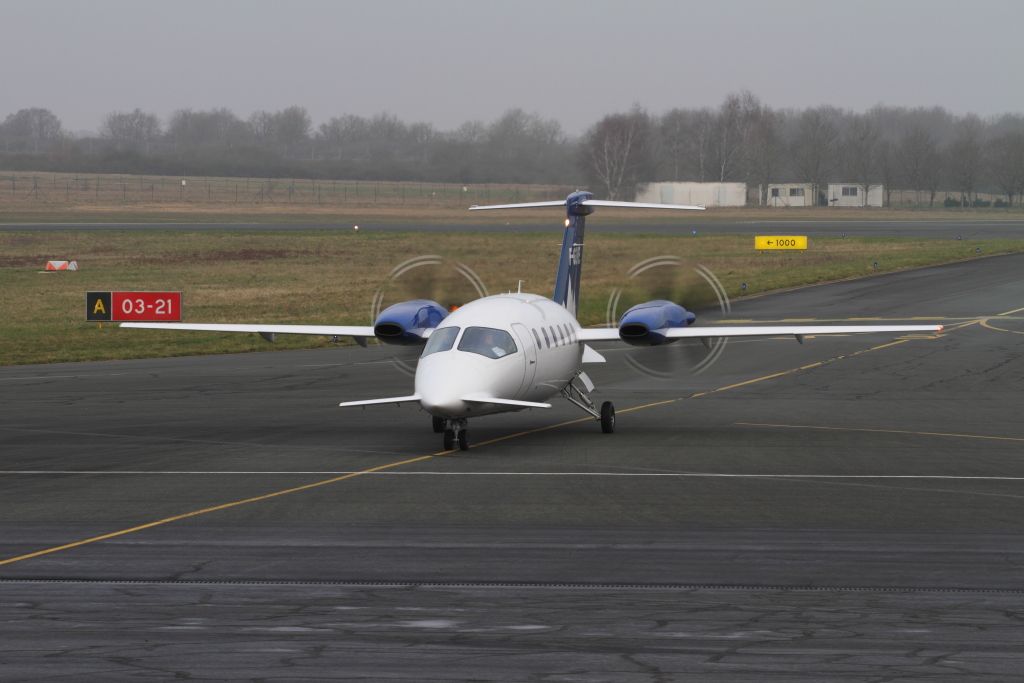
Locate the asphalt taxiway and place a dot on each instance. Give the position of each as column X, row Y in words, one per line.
column 852, row 507
column 951, row 229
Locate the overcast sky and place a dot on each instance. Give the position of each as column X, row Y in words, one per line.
column 446, row 62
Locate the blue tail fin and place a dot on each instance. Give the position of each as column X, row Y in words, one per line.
column 567, row 282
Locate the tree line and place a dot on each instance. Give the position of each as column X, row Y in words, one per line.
column 924, row 150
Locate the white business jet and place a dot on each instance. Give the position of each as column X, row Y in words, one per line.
column 515, row 351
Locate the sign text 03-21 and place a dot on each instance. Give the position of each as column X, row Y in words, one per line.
column 133, row 306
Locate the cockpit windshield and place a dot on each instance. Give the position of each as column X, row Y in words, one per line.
column 487, row 342
column 440, row 340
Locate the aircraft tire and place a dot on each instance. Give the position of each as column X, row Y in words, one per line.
column 607, row 417
column 464, row 440
column 449, row 439
column 439, row 425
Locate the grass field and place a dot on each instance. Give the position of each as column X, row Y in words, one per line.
column 331, row 277
column 89, row 198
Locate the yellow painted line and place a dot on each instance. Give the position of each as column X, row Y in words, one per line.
column 958, row 326
column 1016, row 310
column 423, row 457
column 984, row 323
column 214, row 509
column 885, row 431
column 530, row 431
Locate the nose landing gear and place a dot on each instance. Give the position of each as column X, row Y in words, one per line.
column 455, row 433
column 579, row 398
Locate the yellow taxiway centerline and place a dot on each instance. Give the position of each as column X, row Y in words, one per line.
column 984, row 323
column 213, row 509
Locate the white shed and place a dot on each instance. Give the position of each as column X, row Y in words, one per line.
column 789, row 194
column 852, row 194
column 698, row 194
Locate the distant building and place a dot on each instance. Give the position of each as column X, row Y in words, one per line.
column 851, row 194
column 694, row 194
column 789, row 194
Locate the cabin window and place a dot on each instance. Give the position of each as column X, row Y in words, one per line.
column 546, row 340
column 537, row 337
column 572, row 334
column 440, row 340
column 554, row 337
column 487, row 342
column 796, row 192
column 849, row 191
column 561, row 333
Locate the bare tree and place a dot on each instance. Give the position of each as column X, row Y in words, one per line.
column 764, row 149
column 917, row 151
column 35, row 124
column 889, row 171
column 675, row 133
column 615, row 153
column 262, row 126
column 728, row 128
column 933, row 173
column 135, row 127
column 1006, row 162
column 815, row 148
column 965, row 157
column 704, row 132
column 292, row 126
column 206, row 129
column 860, row 151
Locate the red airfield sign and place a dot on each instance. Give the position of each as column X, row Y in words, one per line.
column 133, row 306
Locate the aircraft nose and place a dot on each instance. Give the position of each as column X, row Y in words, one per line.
column 442, row 380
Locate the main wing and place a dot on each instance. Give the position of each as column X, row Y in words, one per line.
column 798, row 331
column 358, row 332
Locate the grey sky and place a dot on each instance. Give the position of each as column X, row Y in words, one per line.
column 447, row 62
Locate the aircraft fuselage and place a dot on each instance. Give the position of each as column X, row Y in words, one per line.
column 546, row 357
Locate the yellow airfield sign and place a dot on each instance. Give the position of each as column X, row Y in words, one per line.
column 779, row 242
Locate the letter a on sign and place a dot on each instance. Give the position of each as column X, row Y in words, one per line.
column 97, row 306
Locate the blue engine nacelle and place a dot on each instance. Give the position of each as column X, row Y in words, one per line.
column 645, row 324
column 404, row 324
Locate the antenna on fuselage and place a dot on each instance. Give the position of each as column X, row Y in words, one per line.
column 519, row 289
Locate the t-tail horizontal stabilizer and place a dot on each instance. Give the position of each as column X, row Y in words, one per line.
column 578, row 206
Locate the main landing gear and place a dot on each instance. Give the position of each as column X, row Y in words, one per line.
column 455, row 433
column 579, row 398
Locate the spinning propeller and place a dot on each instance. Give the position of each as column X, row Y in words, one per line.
column 695, row 288
column 432, row 277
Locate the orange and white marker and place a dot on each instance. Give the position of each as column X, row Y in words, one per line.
column 62, row 265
